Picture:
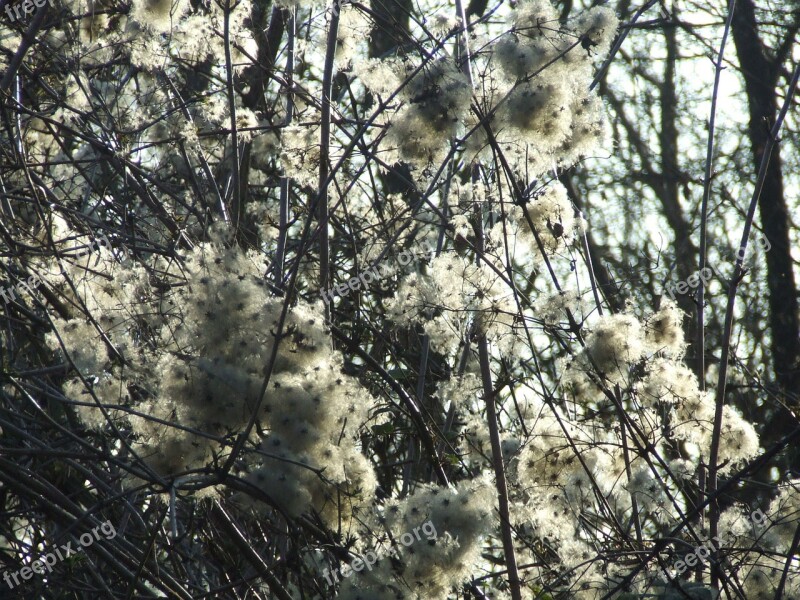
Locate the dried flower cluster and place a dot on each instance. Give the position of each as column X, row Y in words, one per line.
column 196, row 379
column 436, row 100
column 547, row 117
column 431, row 568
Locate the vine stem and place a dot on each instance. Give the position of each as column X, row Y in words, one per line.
column 286, row 181
column 324, row 156
column 494, row 437
column 499, row 470
column 700, row 366
column 738, row 274
column 486, row 372
column 236, row 191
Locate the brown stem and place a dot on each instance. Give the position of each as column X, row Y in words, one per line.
column 738, row 274
column 494, row 437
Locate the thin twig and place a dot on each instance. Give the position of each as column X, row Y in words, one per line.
column 237, row 196
column 700, row 366
column 286, row 181
column 701, row 343
column 494, row 437
column 738, row 274
column 253, row 557
column 324, row 156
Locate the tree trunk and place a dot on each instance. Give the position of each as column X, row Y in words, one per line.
column 761, row 76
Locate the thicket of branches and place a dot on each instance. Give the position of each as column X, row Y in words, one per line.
column 284, row 283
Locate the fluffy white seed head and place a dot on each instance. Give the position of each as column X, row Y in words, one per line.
column 663, row 331
column 616, row 342
column 158, row 15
